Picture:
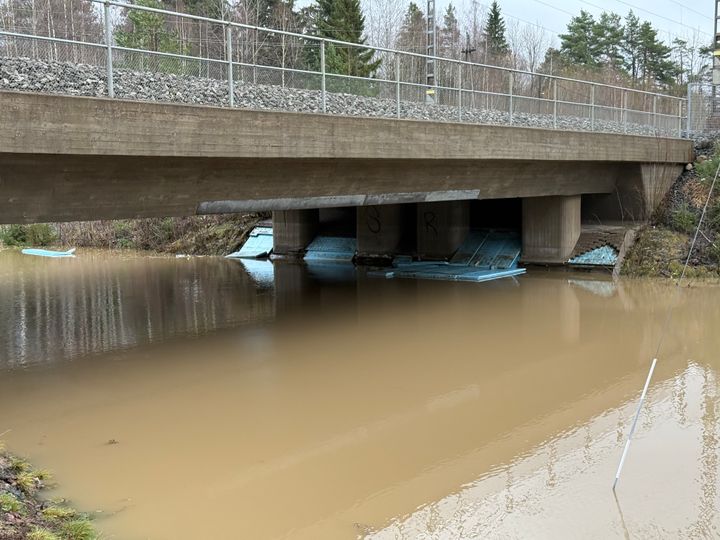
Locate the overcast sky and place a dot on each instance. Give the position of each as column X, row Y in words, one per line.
column 674, row 18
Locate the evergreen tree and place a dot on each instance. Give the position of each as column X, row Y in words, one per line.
column 411, row 38
column 579, row 45
column 147, row 31
column 497, row 44
column 631, row 44
column 607, row 40
column 655, row 62
column 449, row 42
column 343, row 20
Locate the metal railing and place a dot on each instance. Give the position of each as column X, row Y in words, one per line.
column 241, row 55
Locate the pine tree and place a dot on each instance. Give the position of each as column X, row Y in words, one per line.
column 497, row 44
column 343, row 20
column 411, row 38
column 147, row 31
column 607, row 40
column 631, row 44
column 449, row 42
column 655, row 63
column 579, row 45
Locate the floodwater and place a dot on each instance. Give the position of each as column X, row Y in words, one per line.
column 196, row 399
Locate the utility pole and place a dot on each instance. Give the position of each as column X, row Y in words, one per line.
column 468, row 50
column 431, row 52
column 716, row 59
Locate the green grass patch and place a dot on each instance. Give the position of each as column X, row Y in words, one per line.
column 10, row 503
column 41, row 533
column 78, row 529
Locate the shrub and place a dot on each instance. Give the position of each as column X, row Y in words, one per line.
column 684, row 219
column 39, row 234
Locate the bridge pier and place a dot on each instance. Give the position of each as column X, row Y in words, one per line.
column 293, row 230
column 441, row 228
column 550, row 228
column 380, row 230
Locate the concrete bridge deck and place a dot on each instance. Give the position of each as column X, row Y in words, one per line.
column 73, row 158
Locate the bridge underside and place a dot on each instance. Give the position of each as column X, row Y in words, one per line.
column 48, row 188
column 71, row 159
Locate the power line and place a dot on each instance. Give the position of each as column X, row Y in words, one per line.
column 673, row 34
column 662, row 17
column 705, row 15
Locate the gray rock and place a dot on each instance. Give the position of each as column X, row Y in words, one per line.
column 87, row 80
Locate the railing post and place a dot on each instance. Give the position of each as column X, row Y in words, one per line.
column 322, row 70
column 397, row 79
column 689, row 110
column 624, row 110
column 460, row 117
column 592, row 107
column 680, row 119
column 510, row 107
column 108, row 49
column 229, row 58
column 555, row 104
column 655, row 127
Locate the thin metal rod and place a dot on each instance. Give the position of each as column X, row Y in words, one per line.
column 624, row 110
column 555, row 105
column 460, row 116
column 229, row 57
column 397, row 79
column 108, row 54
column 655, row 126
column 689, row 109
column 510, row 107
column 323, row 81
column 592, row 107
column 634, row 424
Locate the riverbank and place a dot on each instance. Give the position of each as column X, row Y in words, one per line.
column 24, row 515
column 195, row 235
column 661, row 247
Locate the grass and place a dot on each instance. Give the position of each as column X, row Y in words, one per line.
column 41, row 533
column 58, row 513
column 78, row 529
column 10, row 503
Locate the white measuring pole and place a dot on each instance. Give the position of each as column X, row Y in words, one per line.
column 634, row 424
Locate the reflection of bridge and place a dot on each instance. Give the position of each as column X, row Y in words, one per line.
column 423, row 418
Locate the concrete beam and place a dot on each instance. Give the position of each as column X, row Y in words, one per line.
column 441, row 228
column 550, row 229
column 37, row 188
column 293, row 230
column 54, row 124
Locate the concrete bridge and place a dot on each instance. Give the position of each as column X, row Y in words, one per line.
column 404, row 182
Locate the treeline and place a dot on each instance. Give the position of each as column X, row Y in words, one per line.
column 609, row 48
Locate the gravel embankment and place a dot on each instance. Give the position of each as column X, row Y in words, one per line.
column 26, row 75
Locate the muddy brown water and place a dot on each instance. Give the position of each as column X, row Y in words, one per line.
column 324, row 405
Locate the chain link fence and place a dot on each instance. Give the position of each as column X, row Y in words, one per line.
column 201, row 60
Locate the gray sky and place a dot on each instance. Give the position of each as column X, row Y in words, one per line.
column 673, row 18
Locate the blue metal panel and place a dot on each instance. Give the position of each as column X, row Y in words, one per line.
column 49, row 253
column 501, row 250
column 259, row 244
column 331, row 248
